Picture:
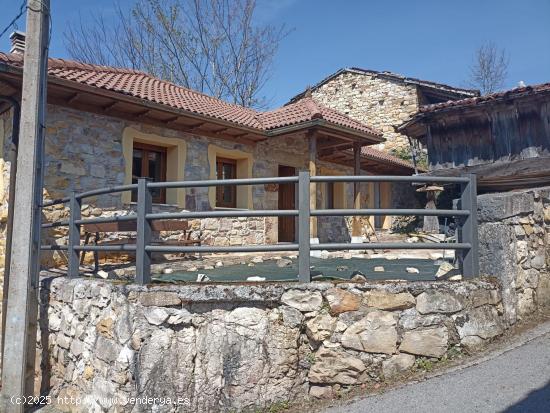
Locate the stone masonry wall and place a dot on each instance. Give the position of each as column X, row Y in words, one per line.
column 380, row 103
column 514, row 235
column 238, row 347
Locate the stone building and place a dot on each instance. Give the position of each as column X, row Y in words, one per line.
column 108, row 126
column 383, row 100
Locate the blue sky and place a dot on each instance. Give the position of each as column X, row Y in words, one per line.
column 429, row 39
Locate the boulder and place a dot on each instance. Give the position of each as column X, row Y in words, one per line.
column 283, row 262
column 159, row 299
column 375, row 333
column 303, row 300
column 434, row 301
column 398, row 364
column 320, row 328
column 341, row 301
column 429, row 342
column 334, row 367
column 321, row 392
column 483, row 322
column 384, row 300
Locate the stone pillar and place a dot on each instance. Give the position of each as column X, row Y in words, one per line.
column 312, row 165
column 356, row 221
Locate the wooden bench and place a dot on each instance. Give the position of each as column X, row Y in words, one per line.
column 131, row 226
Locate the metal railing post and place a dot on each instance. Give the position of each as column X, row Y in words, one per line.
column 468, row 229
column 144, row 233
column 74, row 236
column 304, row 212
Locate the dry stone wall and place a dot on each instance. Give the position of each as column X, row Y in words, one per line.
column 238, row 347
column 379, row 102
column 514, row 234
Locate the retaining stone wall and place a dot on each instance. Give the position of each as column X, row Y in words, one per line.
column 235, row 347
column 514, row 235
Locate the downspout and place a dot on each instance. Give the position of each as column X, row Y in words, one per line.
column 12, row 156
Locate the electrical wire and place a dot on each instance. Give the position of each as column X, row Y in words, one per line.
column 22, row 9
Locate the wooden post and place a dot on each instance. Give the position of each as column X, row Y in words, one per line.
column 312, row 166
column 22, row 308
column 356, row 221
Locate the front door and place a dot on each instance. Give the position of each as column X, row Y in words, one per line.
column 287, row 201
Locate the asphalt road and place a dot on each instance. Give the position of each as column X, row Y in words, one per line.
column 516, row 381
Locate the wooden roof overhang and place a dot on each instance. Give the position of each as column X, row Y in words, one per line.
column 369, row 164
column 74, row 95
column 330, row 137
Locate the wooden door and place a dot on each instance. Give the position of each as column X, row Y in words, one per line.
column 287, row 225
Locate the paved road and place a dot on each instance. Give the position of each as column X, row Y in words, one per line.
column 517, row 381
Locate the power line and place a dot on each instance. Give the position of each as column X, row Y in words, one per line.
column 22, row 9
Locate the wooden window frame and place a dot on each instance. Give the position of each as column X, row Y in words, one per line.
column 220, row 203
column 145, row 148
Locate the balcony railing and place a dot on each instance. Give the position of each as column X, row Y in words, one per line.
column 466, row 245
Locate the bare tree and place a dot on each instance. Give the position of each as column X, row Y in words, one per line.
column 489, row 69
column 212, row 46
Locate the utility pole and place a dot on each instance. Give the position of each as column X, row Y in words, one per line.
column 22, row 308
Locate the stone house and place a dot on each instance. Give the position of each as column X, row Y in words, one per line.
column 383, row 100
column 503, row 137
column 108, row 126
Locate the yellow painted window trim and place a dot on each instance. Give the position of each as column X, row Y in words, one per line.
column 175, row 161
column 245, row 161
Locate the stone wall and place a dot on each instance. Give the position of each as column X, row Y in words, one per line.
column 378, row 102
column 514, row 235
column 235, row 347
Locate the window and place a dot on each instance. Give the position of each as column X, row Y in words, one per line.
column 226, row 196
column 149, row 161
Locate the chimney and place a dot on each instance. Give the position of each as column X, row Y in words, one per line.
column 17, row 42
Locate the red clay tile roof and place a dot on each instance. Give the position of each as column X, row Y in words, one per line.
column 307, row 109
column 141, row 85
column 377, row 155
column 508, row 94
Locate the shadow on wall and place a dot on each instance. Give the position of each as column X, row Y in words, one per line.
column 535, row 402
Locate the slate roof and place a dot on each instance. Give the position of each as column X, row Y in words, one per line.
column 508, row 94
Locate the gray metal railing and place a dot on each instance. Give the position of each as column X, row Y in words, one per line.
column 467, row 239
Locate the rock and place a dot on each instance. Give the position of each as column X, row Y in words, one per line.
column 412, row 240
column 180, row 316
column 103, row 274
column 257, row 260
column 375, row 333
column 192, row 269
column 107, row 350
column 283, row 262
column 472, row 343
column 358, row 278
column 168, row 271
column 303, row 300
column 219, row 264
column 255, row 278
column 483, row 297
column 159, row 299
column 251, row 264
column 412, row 270
column 202, row 278
column 384, row 300
column 435, row 301
column 398, row 364
column 105, row 327
column 320, row 327
column 429, row 342
column 379, row 268
column 443, row 269
column 208, row 267
column 156, row 315
column 543, row 291
column 321, row 392
column 88, row 373
column 333, row 367
column 291, row 317
column 341, row 301
column 342, row 268
column 411, row 319
column 483, row 322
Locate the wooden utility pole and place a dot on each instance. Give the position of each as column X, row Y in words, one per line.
column 22, row 308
